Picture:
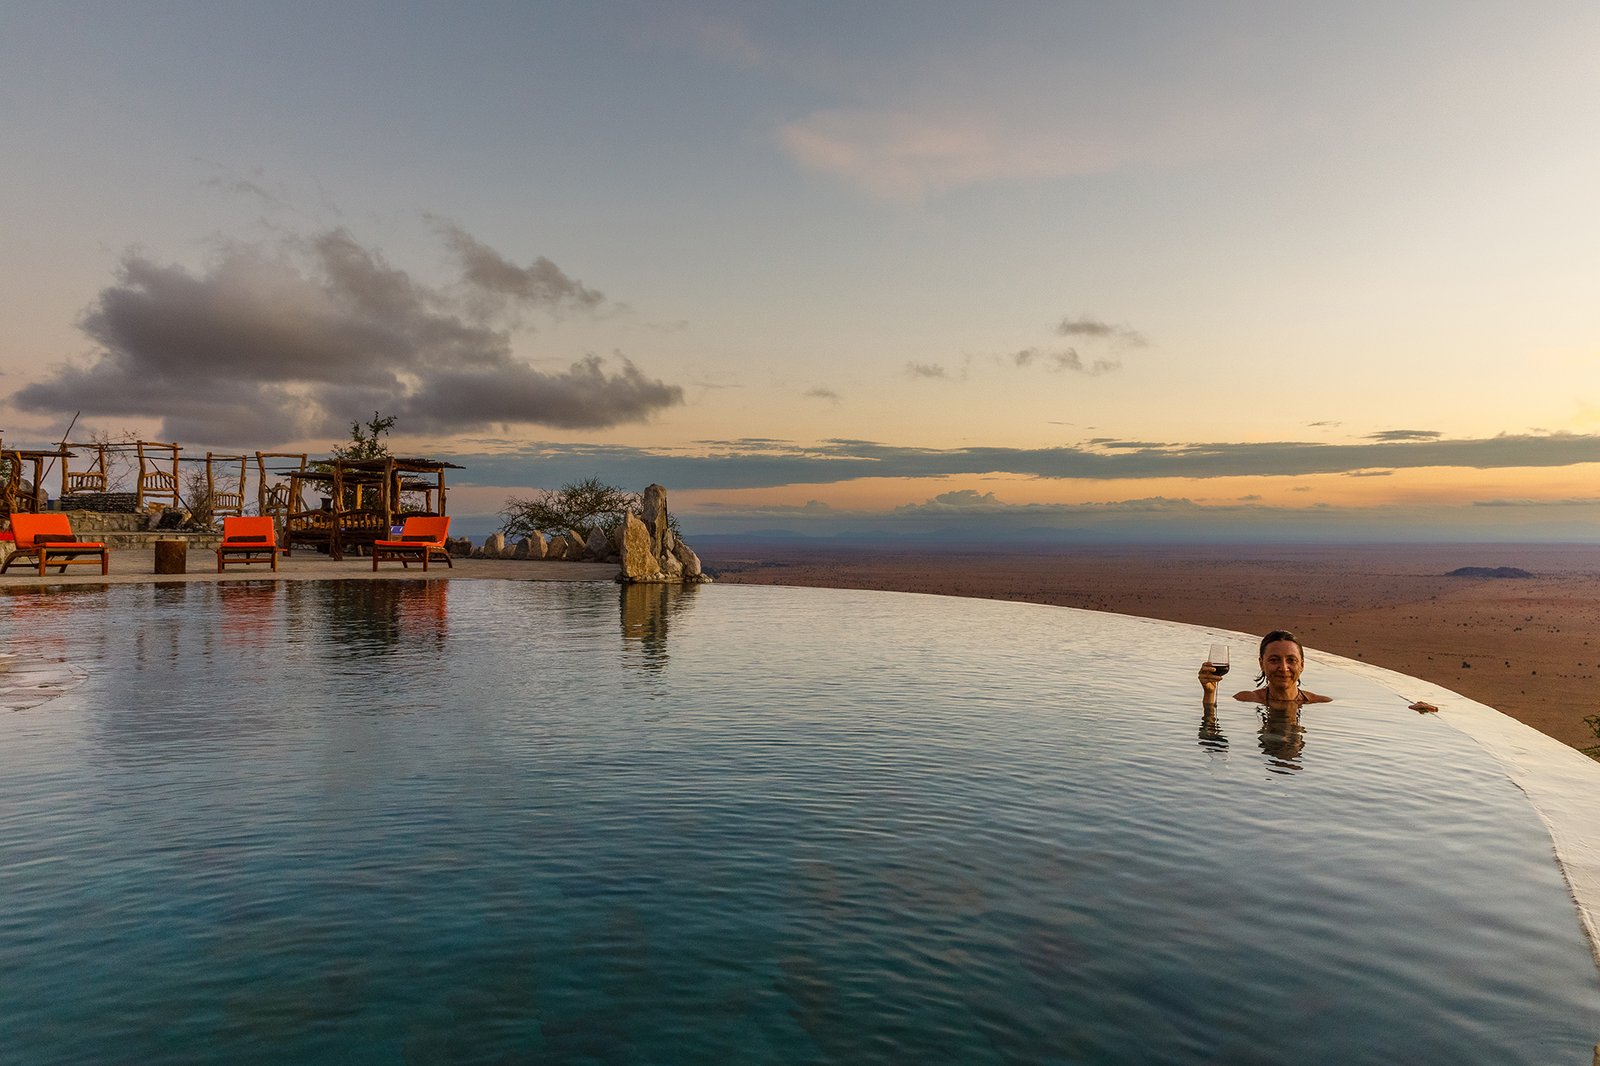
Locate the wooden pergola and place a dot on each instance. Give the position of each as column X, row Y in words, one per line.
column 363, row 500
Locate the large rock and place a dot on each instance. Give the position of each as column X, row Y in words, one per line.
column 577, row 544
column 653, row 512
column 538, row 547
column 690, row 562
column 557, row 548
column 494, row 546
column 523, row 549
column 671, row 569
column 638, row 560
column 599, row 545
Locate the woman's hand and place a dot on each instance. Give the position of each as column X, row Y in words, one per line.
column 1208, row 681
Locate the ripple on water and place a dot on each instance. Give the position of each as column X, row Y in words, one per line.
column 470, row 821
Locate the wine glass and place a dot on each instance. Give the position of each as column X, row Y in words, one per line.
column 1218, row 658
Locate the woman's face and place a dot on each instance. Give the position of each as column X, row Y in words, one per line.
column 1281, row 663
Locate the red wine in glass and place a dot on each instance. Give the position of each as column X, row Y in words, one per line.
column 1218, row 659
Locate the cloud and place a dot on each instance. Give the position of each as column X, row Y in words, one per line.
column 962, row 500
column 918, row 151
column 1392, row 435
column 1068, row 359
column 820, row 393
column 1577, row 501
column 1095, row 329
column 273, row 344
column 1369, row 473
column 903, row 155
column 541, row 284
column 1127, row 445
column 764, row 464
column 926, row 370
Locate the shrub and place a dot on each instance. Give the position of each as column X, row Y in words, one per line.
column 581, row 505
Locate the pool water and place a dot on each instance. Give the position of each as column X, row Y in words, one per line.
column 500, row 822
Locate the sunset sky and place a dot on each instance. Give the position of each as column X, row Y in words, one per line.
column 1118, row 269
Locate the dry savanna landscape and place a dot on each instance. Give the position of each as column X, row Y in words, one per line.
column 1528, row 646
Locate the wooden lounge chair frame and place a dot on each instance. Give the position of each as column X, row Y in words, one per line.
column 48, row 538
column 156, row 484
column 90, row 479
column 247, row 540
column 283, row 497
column 420, row 539
column 226, row 500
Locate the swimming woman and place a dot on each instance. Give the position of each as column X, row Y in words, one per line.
column 1282, row 661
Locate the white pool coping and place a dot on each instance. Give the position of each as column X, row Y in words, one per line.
column 1561, row 782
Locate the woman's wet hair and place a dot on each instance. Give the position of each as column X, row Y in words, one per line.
column 1272, row 638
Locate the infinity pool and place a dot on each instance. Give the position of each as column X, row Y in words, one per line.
column 503, row 822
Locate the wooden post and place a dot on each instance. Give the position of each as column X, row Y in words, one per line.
column 172, row 556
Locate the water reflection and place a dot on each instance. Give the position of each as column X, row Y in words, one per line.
column 1212, row 738
column 374, row 618
column 249, row 614
column 1281, row 735
column 647, row 612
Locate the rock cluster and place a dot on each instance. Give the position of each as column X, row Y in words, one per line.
column 644, row 546
column 650, row 551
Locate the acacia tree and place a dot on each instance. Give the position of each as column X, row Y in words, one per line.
column 579, row 505
column 366, row 441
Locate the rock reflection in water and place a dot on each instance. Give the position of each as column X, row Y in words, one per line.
column 647, row 612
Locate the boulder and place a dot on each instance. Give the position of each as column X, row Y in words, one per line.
column 521, row 549
column 671, row 569
column 458, row 547
column 653, row 512
column 577, row 544
column 494, row 546
column 638, row 561
column 557, row 548
column 538, row 547
column 690, row 562
column 598, row 546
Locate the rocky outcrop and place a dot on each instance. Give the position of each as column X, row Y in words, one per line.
column 690, row 562
column 653, row 512
column 650, row 552
column 639, row 563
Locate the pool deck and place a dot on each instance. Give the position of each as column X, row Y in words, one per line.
column 133, row 566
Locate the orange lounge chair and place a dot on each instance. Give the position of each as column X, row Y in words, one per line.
column 48, row 538
column 248, row 540
column 420, row 539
